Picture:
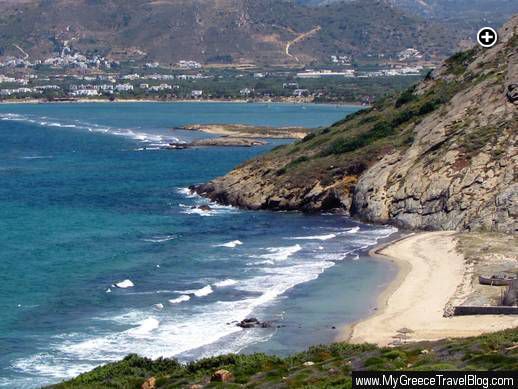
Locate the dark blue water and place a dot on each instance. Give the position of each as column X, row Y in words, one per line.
column 88, row 200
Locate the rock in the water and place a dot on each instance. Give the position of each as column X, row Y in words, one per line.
column 222, row 375
column 254, row 323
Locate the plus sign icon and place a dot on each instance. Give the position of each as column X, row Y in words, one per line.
column 487, row 37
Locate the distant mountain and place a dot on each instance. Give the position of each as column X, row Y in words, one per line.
column 240, row 31
column 467, row 15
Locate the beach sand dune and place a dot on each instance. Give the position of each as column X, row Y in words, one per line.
column 411, row 309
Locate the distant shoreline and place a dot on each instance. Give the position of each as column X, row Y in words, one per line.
column 235, row 101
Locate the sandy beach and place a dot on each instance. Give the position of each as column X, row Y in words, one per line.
column 431, row 273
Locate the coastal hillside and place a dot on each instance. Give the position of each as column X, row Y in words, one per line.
column 224, row 31
column 320, row 366
column 441, row 155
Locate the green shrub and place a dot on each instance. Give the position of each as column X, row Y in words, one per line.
column 458, row 62
column 343, row 145
column 298, row 160
column 406, row 97
column 428, row 107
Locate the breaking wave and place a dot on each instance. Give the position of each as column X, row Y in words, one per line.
column 155, row 141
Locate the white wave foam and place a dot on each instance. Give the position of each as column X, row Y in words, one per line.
column 160, row 239
column 38, row 157
column 205, row 291
column 159, row 140
column 149, row 148
column 191, row 329
column 315, row 237
column 215, row 209
column 186, row 192
column 281, row 253
column 224, row 283
column 353, row 230
column 193, row 210
column 125, row 284
column 231, row 245
column 48, row 367
column 181, row 299
column 145, row 327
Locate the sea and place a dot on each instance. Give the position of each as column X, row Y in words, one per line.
column 103, row 252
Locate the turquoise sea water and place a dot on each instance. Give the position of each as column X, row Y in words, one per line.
column 88, row 199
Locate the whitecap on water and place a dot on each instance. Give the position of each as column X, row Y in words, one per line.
column 205, row 291
column 281, row 253
column 315, row 237
column 160, row 239
column 181, row 299
column 125, row 284
column 37, row 157
column 231, row 244
column 202, row 292
column 224, row 283
column 145, row 327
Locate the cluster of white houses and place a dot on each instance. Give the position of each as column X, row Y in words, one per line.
column 97, row 85
column 350, row 73
column 97, row 90
column 68, row 58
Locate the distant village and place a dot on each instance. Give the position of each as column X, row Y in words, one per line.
column 69, row 76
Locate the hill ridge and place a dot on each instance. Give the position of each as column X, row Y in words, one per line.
column 240, row 31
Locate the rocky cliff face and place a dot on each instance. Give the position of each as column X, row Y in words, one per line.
column 440, row 156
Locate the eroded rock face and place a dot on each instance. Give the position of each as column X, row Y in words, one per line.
column 443, row 181
column 251, row 187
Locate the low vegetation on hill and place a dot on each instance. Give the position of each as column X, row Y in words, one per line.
column 321, row 366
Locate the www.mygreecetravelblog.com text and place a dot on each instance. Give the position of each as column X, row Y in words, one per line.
column 436, row 380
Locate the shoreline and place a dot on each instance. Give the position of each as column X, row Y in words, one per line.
column 411, row 308
column 128, row 101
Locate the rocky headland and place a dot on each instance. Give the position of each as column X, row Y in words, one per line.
column 223, row 141
column 439, row 156
column 246, row 131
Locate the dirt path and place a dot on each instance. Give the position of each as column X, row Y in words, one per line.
column 22, row 50
column 300, row 38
